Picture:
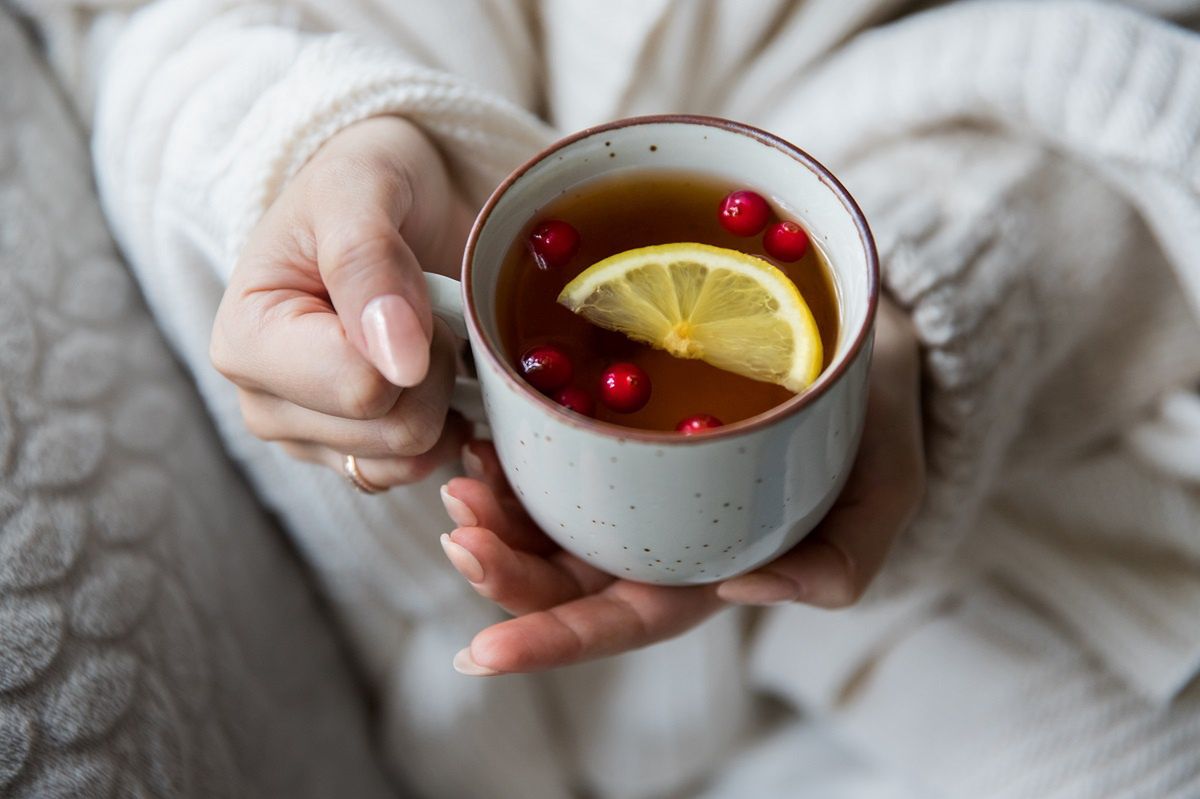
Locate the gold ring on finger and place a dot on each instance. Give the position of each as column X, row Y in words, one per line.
column 355, row 476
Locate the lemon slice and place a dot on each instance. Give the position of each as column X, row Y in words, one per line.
column 724, row 307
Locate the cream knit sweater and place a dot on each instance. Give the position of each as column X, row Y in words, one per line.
column 1032, row 173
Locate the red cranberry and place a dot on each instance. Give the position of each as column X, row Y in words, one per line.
column 576, row 399
column 553, row 243
column 785, row 241
column 625, row 388
column 697, row 424
column 744, row 213
column 546, row 367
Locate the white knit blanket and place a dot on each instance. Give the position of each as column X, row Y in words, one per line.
column 157, row 636
column 1031, row 171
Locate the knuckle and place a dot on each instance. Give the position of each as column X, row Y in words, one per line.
column 364, row 394
column 427, row 427
column 221, row 353
column 255, row 429
column 256, row 424
column 414, row 432
column 240, row 322
column 396, row 436
column 363, row 252
column 218, row 356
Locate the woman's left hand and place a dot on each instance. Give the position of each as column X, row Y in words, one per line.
column 568, row 611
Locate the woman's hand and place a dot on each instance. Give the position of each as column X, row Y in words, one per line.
column 833, row 565
column 567, row 611
column 325, row 326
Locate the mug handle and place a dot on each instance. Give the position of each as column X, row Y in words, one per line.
column 445, row 295
column 446, row 298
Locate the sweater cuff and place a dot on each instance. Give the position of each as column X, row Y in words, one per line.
column 336, row 81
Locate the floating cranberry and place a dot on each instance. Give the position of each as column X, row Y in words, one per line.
column 576, row 399
column 625, row 388
column 744, row 213
column 546, row 367
column 553, row 243
column 698, row 424
column 785, row 241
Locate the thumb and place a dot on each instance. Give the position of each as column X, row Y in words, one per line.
column 376, row 286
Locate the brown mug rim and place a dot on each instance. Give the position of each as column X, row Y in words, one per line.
column 785, row 409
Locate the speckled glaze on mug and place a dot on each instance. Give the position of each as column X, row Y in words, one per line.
column 662, row 507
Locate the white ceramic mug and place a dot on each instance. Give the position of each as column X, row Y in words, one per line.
column 663, row 507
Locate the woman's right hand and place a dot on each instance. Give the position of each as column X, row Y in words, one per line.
column 326, row 328
column 568, row 611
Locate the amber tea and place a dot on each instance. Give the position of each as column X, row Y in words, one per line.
column 603, row 373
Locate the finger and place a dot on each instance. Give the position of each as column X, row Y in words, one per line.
column 263, row 315
column 392, row 472
column 371, row 275
column 387, row 472
column 309, row 453
column 518, row 581
column 624, row 616
column 832, row 567
column 482, row 463
column 410, row 427
column 471, row 503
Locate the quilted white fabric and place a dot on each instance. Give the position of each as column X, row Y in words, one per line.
column 156, row 637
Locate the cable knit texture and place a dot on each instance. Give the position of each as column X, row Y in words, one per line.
column 1030, row 169
column 156, row 639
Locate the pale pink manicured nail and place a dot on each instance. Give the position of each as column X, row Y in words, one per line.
column 472, row 463
column 462, row 559
column 465, row 664
column 760, row 588
column 457, row 510
column 396, row 341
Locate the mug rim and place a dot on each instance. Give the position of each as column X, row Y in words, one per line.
column 824, row 381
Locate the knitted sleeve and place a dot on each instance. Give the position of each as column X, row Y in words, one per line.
column 1049, row 320
column 203, row 110
column 1030, row 172
column 202, row 116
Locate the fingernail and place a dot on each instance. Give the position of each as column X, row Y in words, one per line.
column 472, row 463
column 759, row 588
column 462, row 559
column 465, row 664
column 396, row 341
column 457, row 510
